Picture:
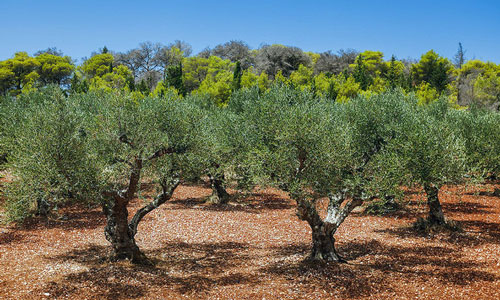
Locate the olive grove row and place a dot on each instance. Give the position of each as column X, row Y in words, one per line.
column 99, row 147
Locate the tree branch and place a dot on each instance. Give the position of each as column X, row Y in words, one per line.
column 306, row 210
column 119, row 160
column 161, row 152
column 168, row 190
column 335, row 214
column 124, row 139
column 135, row 177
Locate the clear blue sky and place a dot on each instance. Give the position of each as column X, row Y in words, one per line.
column 404, row 28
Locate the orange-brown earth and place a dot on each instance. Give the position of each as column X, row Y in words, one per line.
column 255, row 249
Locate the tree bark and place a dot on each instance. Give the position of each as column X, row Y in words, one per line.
column 323, row 248
column 120, row 233
column 168, row 191
column 219, row 194
column 436, row 215
column 323, row 241
column 42, row 207
column 117, row 231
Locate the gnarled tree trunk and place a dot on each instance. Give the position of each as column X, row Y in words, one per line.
column 436, row 215
column 219, row 193
column 323, row 244
column 168, row 188
column 120, row 233
column 323, row 230
column 117, row 231
column 42, row 207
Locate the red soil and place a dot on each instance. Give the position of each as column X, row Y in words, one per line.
column 255, row 249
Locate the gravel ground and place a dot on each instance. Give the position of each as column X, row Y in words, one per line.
column 255, row 248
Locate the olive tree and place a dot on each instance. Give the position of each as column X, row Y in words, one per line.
column 480, row 130
column 46, row 154
column 227, row 145
column 98, row 147
column 315, row 149
column 4, row 121
column 218, row 156
column 158, row 137
column 434, row 155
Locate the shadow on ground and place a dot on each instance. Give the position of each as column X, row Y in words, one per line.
column 196, row 269
column 474, row 233
column 74, row 217
column 464, row 207
column 179, row 267
column 10, row 237
column 379, row 263
column 254, row 203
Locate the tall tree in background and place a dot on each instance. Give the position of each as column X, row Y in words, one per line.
column 174, row 79
column 274, row 58
column 50, row 50
column 432, row 69
column 459, row 61
column 440, row 77
column 237, row 76
column 459, row 58
column 17, row 72
column 183, row 46
column 54, row 69
column 149, row 66
column 360, row 73
column 329, row 62
column 97, row 65
column 392, row 75
column 234, row 51
column 169, row 56
column 130, row 59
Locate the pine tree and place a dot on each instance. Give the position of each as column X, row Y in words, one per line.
column 459, row 60
column 360, row 73
column 74, row 84
column 78, row 86
column 439, row 76
column 174, row 78
column 392, row 76
column 130, row 83
column 237, row 76
column 333, row 91
column 143, row 87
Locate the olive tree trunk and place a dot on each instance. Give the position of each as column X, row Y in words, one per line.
column 323, row 230
column 42, row 207
column 118, row 231
column 436, row 215
column 121, row 233
column 219, row 193
column 323, row 244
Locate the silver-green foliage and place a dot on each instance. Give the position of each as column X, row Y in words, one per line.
column 480, row 130
column 434, row 153
column 47, row 153
column 78, row 148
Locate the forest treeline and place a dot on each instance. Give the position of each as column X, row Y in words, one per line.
column 154, row 68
